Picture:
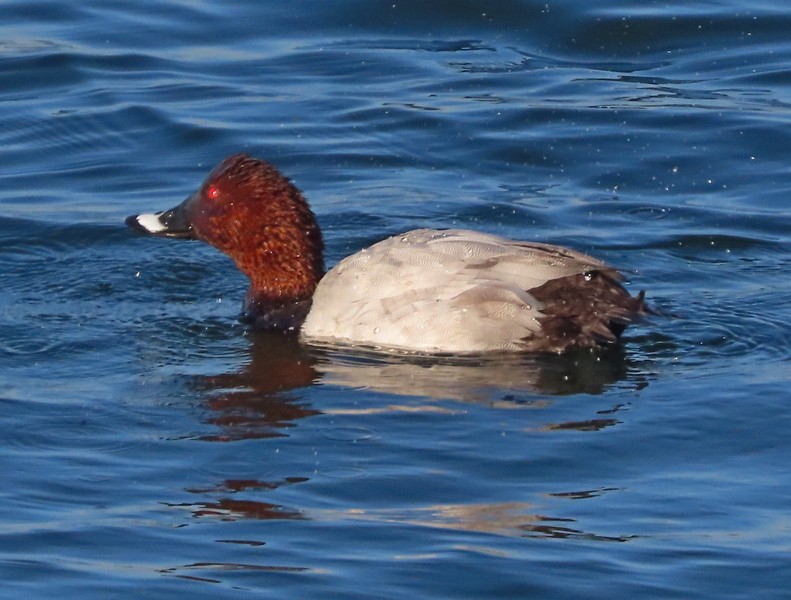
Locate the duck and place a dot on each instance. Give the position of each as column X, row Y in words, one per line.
column 426, row 291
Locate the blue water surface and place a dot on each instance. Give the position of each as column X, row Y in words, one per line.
column 152, row 447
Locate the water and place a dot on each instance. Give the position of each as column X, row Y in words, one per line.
column 154, row 448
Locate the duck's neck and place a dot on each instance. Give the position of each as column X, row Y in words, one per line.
column 284, row 271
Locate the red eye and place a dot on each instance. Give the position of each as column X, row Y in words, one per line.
column 213, row 192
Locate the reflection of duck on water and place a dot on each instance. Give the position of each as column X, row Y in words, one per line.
column 259, row 400
column 482, row 379
column 517, row 519
column 255, row 402
column 263, row 399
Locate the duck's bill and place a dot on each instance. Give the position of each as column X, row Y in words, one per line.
column 170, row 223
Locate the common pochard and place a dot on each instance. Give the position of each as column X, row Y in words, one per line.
column 431, row 291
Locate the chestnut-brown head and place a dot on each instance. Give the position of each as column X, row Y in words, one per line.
column 250, row 211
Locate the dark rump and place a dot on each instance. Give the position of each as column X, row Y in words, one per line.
column 589, row 310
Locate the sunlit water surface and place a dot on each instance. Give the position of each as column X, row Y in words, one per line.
column 152, row 447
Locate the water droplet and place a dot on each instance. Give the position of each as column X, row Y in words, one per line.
column 376, row 330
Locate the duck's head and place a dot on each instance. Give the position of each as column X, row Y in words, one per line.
column 247, row 209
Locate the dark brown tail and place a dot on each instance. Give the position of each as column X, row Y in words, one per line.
column 589, row 310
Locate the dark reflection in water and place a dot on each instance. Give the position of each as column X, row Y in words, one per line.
column 227, row 508
column 255, row 401
column 589, row 425
column 547, row 528
column 221, row 567
column 583, row 494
